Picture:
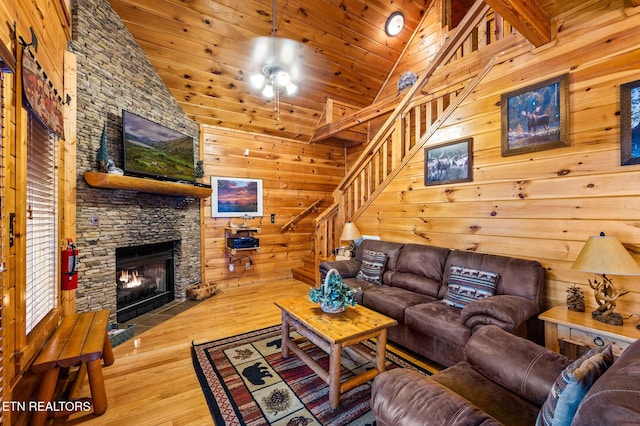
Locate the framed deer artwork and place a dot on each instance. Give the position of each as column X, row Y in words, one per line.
column 534, row 118
column 450, row 162
column 630, row 123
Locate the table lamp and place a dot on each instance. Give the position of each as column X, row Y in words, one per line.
column 350, row 233
column 606, row 255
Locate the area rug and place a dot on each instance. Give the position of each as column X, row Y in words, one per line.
column 246, row 381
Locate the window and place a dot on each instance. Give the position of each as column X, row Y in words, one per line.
column 3, row 238
column 3, row 265
column 42, row 222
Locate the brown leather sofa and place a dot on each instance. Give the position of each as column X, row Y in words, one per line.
column 504, row 380
column 414, row 282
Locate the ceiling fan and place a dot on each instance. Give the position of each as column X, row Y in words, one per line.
column 277, row 63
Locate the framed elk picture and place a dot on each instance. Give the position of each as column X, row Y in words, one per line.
column 449, row 163
column 534, row 118
column 630, row 123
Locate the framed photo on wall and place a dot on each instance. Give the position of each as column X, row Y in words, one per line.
column 630, row 123
column 534, row 118
column 236, row 197
column 450, row 162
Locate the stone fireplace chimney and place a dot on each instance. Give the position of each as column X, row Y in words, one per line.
column 114, row 74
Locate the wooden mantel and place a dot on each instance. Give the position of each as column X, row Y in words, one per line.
column 110, row 181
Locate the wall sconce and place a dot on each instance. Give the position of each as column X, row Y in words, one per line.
column 606, row 255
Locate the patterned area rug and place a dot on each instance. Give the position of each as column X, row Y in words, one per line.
column 246, row 381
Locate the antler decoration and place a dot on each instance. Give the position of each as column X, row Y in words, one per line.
column 606, row 295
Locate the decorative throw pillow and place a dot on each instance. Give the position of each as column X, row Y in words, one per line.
column 572, row 385
column 372, row 267
column 467, row 285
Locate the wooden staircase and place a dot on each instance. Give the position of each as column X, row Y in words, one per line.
column 307, row 272
column 468, row 54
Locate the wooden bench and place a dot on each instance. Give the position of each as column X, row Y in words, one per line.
column 81, row 339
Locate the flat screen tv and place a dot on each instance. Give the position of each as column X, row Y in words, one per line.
column 156, row 151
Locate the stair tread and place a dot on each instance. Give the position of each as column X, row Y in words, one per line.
column 305, row 275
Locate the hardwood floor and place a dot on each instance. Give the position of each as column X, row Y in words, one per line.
column 152, row 381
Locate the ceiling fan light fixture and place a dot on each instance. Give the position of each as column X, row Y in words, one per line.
column 394, row 24
column 257, row 80
column 282, row 78
column 268, row 91
column 291, row 88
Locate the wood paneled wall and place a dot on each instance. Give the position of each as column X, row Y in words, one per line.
column 294, row 175
column 542, row 205
column 50, row 21
column 422, row 47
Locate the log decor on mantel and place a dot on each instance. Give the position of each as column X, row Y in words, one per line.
column 112, row 181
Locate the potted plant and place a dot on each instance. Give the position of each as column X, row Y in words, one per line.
column 334, row 295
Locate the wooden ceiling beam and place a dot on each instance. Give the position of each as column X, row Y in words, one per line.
column 527, row 17
column 365, row 114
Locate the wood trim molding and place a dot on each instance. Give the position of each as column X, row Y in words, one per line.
column 527, row 17
column 7, row 60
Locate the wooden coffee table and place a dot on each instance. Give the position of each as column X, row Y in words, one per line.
column 332, row 333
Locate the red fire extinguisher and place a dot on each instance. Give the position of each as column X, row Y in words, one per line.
column 70, row 266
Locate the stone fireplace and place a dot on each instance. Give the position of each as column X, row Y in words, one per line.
column 144, row 278
column 114, row 74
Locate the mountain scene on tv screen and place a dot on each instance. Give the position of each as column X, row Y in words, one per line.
column 158, row 151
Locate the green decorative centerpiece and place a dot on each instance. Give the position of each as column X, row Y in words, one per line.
column 334, row 295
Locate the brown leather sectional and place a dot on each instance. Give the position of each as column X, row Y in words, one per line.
column 504, row 380
column 415, row 280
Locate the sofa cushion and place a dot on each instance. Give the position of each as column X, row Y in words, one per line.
column 528, row 371
column 392, row 301
column 372, row 267
column 506, row 407
column 420, row 269
column 403, row 397
column 392, row 249
column 518, row 277
column 467, row 285
column 439, row 320
column 572, row 385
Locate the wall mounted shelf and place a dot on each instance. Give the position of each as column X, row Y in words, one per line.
column 241, row 233
column 176, row 189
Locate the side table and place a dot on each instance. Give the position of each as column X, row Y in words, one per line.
column 579, row 329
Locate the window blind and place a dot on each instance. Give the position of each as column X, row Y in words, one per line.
column 3, row 207
column 42, row 222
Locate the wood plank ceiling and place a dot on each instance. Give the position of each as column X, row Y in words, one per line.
column 203, row 49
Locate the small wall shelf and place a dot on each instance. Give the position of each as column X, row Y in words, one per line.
column 242, row 234
column 110, row 181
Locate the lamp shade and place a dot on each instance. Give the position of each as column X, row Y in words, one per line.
column 605, row 255
column 350, row 232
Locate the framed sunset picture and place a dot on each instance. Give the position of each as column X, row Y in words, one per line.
column 236, row 197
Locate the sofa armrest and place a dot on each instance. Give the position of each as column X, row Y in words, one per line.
column 525, row 368
column 402, row 397
column 346, row 268
column 506, row 311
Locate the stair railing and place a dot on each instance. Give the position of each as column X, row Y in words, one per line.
column 417, row 116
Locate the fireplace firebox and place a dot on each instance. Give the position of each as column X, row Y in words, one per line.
column 145, row 278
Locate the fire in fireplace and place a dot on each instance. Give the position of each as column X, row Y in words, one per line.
column 144, row 278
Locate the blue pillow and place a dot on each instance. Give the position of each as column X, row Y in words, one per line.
column 572, row 385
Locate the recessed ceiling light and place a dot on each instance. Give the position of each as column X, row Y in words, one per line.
column 394, row 24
